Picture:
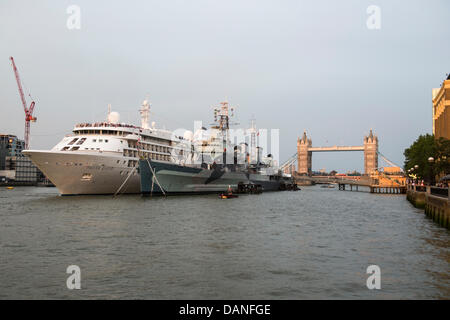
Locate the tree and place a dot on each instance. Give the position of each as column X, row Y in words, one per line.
column 442, row 160
column 424, row 147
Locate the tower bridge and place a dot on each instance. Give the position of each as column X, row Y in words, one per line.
column 384, row 181
column 305, row 149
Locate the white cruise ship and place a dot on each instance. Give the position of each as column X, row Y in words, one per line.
column 101, row 158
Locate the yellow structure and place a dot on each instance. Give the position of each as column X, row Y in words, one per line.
column 389, row 177
column 390, row 170
column 441, row 110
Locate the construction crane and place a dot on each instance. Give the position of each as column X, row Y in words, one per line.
column 28, row 111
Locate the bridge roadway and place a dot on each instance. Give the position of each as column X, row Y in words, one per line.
column 336, row 148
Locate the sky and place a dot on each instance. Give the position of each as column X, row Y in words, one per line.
column 291, row 65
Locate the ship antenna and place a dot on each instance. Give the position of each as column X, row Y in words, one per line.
column 145, row 114
column 109, row 112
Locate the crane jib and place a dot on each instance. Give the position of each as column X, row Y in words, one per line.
column 28, row 111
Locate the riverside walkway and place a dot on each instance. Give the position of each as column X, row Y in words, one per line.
column 435, row 201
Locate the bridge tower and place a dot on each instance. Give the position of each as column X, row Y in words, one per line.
column 304, row 155
column 370, row 153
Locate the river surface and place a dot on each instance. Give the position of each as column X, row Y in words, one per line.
column 311, row 244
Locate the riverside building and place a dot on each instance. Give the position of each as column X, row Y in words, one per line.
column 441, row 110
column 14, row 165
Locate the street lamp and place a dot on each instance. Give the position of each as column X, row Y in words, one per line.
column 431, row 161
column 417, row 174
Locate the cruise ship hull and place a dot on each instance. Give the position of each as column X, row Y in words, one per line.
column 81, row 173
column 176, row 179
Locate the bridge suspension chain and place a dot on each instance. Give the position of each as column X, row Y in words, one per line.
column 389, row 161
column 289, row 162
column 293, row 159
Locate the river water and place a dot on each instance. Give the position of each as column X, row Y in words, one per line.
column 311, row 244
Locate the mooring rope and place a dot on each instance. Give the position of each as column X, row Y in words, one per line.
column 121, row 186
column 155, row 178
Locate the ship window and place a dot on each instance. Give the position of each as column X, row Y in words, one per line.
column 65, row 148
column 106, row 140
column 118, row 161
column 86, row 177
column 73, row 141
column 81, row 141
column 75, row 148
column 100, row 140
column 94, row 140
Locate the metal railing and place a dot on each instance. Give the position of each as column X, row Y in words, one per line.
column 420, row 188
column 440, row 192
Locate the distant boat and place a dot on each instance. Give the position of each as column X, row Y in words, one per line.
column 227, row 196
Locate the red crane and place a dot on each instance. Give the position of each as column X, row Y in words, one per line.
column 28, row 111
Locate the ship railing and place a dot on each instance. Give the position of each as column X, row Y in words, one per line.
column 105, row 125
